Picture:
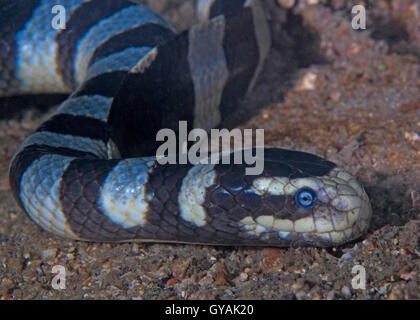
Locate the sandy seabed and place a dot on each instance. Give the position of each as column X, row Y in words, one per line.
column 350, row 96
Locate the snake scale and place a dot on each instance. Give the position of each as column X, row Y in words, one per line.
column 90, row 171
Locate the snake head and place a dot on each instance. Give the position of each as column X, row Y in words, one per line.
column 315, row 203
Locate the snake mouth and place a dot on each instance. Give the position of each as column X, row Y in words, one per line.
column 341, row 214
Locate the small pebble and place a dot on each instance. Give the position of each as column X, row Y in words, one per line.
column 331, row 295
column 308, row 81
column 300, row 295
column 346, row 292
column 286, row 3
column 384, row 289
column 229, row 293
column 335, row 96
column 412, row 136
column 48, row 253
column 297, row 285
column 243, row 276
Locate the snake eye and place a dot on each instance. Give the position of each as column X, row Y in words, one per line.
column 305, row 198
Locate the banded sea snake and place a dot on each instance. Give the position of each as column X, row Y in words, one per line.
column 88, row 172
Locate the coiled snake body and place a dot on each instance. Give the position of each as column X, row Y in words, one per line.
column 89, row 173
